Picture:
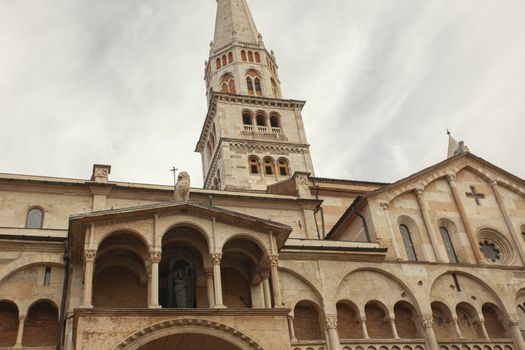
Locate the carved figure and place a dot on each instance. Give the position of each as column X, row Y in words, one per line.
column 182, row 188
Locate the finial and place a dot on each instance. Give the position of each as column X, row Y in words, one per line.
column 448, row 132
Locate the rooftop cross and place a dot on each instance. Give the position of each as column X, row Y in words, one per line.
column 475, row 195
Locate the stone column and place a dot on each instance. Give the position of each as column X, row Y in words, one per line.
column 89, row 258
column 155, row 257
column 265, row 273
column 291, row 329
column 456, row 327
column 276, row 284
column 209, row 288
column 518, row 241
column 217, row 281
column 331, row 332
column 427, row 322
column 513, row 323
column 439, row 249
column 392, row 320
column 363, row 328
column 483, row 328
column 464, row 218
column 20, row 334
column 386, row 207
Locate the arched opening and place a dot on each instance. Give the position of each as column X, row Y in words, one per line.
column 218, row 63
column 307, row 322
column 408, row 243
column 35, row 218
column 443, row 321
column 348, row 321
column 493, row 321
column 405, row 316
column 189, row 341
column 468, row 321
column 250, row 56
column 41, row 325
column 254, row 165
column 449, row 247
column 182, row 278
column 253, row 82
column 120, row 279
column 257, row 57
column 243, row 55
column 230, row 57
column 247, row 118
column 261, row 120
column 283, row 167
column 269, row 166
column 228, row 84
column 240, row 266
column 275, row 88
column 224, row 61
column 8, row 323
column 521, row 312
column 275, row 123
column 377, row 321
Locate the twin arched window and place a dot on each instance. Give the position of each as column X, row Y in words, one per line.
column 268, row 166
column 407, row 242
column 228, row 84
column 250, row 56
column 253, row 83
column 224, row 60
column 35, row 218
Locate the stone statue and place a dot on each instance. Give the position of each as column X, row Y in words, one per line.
column 180, row 285
column 182, row 188
column 180, row 288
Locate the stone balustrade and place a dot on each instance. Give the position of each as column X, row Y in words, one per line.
column 309, row 345
column 382, row 344
column 477, row 345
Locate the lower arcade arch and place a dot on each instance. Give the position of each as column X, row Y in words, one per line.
column 41, row 325
column 8, row 323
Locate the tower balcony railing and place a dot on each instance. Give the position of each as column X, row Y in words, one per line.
column 262, row 129
column 276, row 130
column 249, row 128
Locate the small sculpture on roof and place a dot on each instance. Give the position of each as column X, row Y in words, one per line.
column 182, row 187
column 455, row 147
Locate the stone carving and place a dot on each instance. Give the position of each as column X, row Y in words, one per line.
column 100, row 173
column 216, row 259
column 182, row 188
column 331, row 322
column 303, row 185
column 513, row 321
column 427, row 321
column 89, row 255
column 155, row 256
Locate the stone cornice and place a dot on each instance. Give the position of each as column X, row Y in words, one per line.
column 40, row 247
column 99, row 312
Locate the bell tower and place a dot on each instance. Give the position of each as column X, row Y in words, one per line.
column 251, row 137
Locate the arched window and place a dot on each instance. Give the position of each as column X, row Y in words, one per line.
column 41, row 325
column 253, row 163
column 250, row 56
column 404, row 318
column 452, row 257
column 218, row 63
column 230, row 58
column 377, row 321
column 261, row 120
column 274, row 121
column 247, row 118
column 8, row 323
column 269, row 167
column 257, row 57
column 243, row 55
column 258, row 89
column 228, row 84
column 224, row 61
column 493, row 324
column 275, row 89
column 407, row 242
column 283, row 167
column 521, row 315
column 35, row 217
column 249, row 85
column 253, row 82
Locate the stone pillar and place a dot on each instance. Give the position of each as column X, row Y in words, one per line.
column 427, row 323
column 392, row 320
column 155, row 257
column 464, row 218
column 513, row 323
column 89, row 258
column 20, row 334
column 209, row 288
column 217, row 281
column 483, row 328
column 265, row 273
column 291, row 329
column 397, row 252
column 276, row 284
column 518, row 241
column 438, row 247
column 364, row 329
column 456, row 327
column 331, row 332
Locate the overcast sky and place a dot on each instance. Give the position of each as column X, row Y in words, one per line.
column 120, row 82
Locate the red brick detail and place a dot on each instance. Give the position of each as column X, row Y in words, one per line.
column 8, row 324
column 377, row 322
column 406, row 328
column 307, row 324
column 493, row 325
column 41, row 325
column 468, row 323
column 118, row 287
column 348, row 324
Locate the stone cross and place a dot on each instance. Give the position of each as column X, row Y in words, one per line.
column 475, row 195
column 174, row 170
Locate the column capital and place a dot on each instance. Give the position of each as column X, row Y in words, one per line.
column 513, row 321
column 331, row 322
column 22, row 317
column 451, row 178
column 216, row 258
column 419, row 191
column 385, row 205
column 265, row 274
column 427, row 321
column 273, row 259
column 90, row 254
column 208, row 272
column 155, row 256
column 494, row 182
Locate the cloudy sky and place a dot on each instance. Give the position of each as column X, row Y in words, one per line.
column 121, row 82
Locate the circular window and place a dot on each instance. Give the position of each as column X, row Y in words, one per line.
column 495, row 247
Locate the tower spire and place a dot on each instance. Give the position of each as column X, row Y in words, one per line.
column 234, row 23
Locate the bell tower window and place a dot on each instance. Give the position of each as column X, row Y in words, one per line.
column 253, row 162
column 253, row 83
column 269, row 167
column 283, row 167
column 228, row 84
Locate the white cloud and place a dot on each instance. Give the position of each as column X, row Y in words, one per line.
column 120, row 82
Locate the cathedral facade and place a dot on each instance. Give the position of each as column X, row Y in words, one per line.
column 266, row 256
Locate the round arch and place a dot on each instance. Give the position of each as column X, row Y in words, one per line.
column 313, row 288
column 30, row 261
column 188, row 224
column 249, row 237
column 188, row 326
column 110, row 234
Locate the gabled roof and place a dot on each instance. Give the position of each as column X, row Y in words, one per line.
column 77, row 222
column 425, row 176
